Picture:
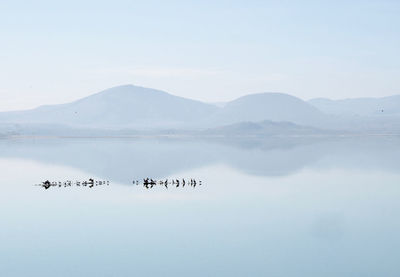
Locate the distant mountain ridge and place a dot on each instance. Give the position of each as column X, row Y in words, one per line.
column 359, row 106
column 130, row 107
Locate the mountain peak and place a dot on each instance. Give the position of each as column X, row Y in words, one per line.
column 129, row 89
column 268, row 97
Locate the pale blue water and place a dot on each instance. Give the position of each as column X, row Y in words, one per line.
column 280, row 207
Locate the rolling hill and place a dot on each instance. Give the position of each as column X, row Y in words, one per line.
column 270, row 106
column 119, row 107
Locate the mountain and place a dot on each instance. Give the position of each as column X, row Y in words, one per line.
column 272, row 107
column 133, row 107
column 122, row 110
column 125, row 106
column 385, row 106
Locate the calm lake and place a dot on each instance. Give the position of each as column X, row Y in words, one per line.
column 266, row 207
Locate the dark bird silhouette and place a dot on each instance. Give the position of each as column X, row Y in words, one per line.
column 46, row 184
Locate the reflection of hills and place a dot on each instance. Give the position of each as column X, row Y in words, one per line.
column 122, row 160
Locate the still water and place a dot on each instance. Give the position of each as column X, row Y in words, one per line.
column 277, row 207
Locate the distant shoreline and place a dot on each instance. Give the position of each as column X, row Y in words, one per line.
column 201, row 136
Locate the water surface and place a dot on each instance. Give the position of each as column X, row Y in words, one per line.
column 276, row 207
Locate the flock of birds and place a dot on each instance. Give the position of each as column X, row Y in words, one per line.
column 147, row 183
column 90, row 183
column 150, row 183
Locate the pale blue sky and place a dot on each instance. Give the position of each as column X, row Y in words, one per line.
column 58, row 51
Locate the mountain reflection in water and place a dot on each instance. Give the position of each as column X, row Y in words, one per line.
column 120, row 160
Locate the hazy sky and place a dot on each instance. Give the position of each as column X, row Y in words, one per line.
column 58, row 51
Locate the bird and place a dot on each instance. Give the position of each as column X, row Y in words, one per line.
column 46, row 184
